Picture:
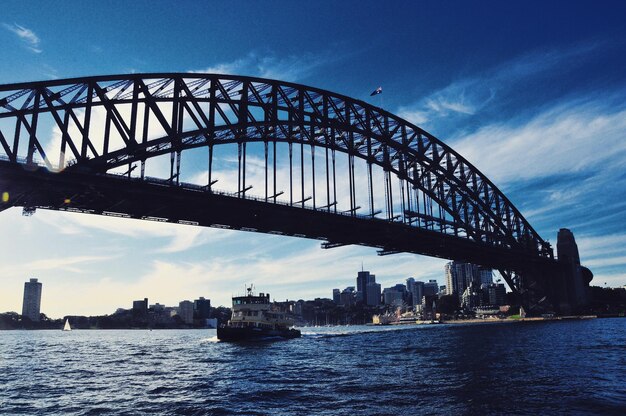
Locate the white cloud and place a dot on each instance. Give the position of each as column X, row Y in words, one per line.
column 73, row 264
column 442, row 105
column 307, row 273
column 598, row 247
column 65, row 263
column 269, row 65
column 568, row 138
column 287, row 268
column 606, row 261
column 158, row 167
column 27, row 36
column 467, row 96
column 177, row 237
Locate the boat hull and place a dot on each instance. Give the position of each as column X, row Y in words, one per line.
column 227, row 333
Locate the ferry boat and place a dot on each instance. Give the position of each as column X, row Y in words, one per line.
column 254, row 320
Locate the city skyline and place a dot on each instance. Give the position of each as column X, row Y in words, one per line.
column 28, row 299
column 539, row 109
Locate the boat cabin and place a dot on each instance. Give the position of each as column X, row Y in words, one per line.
column 256, row 311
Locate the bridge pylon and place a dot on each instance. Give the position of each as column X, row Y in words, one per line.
column 561, row 287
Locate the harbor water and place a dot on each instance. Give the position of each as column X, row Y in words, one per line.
column 529, row 368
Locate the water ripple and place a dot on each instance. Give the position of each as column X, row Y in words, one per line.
column 442, row 369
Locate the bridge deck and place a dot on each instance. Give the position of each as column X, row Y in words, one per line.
column 114, row 195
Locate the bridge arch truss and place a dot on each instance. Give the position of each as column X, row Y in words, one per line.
column 391, row 170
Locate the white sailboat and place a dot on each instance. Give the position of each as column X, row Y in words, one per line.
column 67, row 326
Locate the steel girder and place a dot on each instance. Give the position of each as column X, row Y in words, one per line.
column 204, row 110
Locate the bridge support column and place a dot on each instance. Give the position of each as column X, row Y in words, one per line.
column 561, row 287
column 573, row 292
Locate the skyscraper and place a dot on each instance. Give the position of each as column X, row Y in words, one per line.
column 202, row 308
column 459, row 276
column 362, row 279
column 32, row 300
column 497, row 294
column 394, row 296
column 416, row 289
column 185, row 311
column 485, row 276
column 373, row 294
column 431, row 288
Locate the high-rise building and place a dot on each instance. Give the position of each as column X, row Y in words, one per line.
column 202, row 308
column 140, row 306
column 373, row 294
column 431, row 288
column 470, row 298
column 497, row 294
column 459, row 276
column 347, row 296
column 336, row 296
column 410, row 287
column 32, row 300
column 485, row 276
column 362, row 279
column 451, row 274
column 393, row 296
column 417, row 292
column 185, row 311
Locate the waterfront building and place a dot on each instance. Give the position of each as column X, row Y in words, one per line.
column 373, row 294
column 32, row 300
column 393, row 296
column 348, row 296
column 470, row 298
column 157, row 307
column 298, row 307
column 185, row 311
column 202, row 308
column 497, row 294
column 140, row 306
column 336, row 296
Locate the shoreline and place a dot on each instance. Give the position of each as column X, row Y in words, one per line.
column 496, row 320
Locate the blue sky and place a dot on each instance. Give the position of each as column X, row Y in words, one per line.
column 532, row 93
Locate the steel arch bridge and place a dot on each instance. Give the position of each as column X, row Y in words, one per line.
column 328, row 167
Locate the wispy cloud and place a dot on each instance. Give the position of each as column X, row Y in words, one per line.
column 462, row 98
column 177, row 237
column 71, row 264
column 468, row 96
column 66, row 263
column 270, row 65
column 27, row 36
column 568, row 138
